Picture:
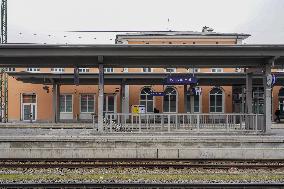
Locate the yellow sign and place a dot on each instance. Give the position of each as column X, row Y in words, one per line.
column 135, row 109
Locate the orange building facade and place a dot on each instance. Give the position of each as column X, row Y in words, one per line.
column 78, row 103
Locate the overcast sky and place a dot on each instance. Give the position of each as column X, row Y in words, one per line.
column 46, row 21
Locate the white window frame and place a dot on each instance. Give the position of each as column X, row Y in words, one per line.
column 196, row 70
column 57, row 70
column 217, row 70
column 223, row 101
column 84, row 70
column 168, row 71
column 65, row 103
column 177, row 99
column 108, row 70
column 147, row 101
column 33, row 69
column 87, row 112
column 147, row 70
column 10, row 69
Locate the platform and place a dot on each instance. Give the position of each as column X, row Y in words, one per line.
column 85, row 143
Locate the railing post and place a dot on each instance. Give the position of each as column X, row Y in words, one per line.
column 110, row 123
column 256, row 117
column 198, row 123
column 139, row 117
column 169, row 123
column 227, row 123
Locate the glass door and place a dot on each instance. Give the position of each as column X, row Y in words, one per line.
column 29, row 107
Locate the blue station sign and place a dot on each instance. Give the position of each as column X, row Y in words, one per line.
column 157, row 94
column 181, row 79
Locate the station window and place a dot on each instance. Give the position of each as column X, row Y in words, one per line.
column 146, row 69
column 216, row 100
column 170, row 100
column 66, row 103
column 193, row 70
column 216, row 70
column 84, row 70
column 87, row 103
column 147, row 100
column 33, row 69
column 10, row 69
column 57, row 69
column 170, row 70
column 108, row 70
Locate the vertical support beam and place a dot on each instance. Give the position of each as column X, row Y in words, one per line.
column 267, row 82
column 248, row 108
column 122, row 98
column 122, row 101
column 101, row 94
column 57, row 103
column 54, row 105
column 185, row 98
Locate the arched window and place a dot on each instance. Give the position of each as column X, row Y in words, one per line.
column 146, row 99
column 170, row 100
column 281, row 100
column 216, row 100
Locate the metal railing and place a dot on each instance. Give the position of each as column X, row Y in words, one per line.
column 179, row 122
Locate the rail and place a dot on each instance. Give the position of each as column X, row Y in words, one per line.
column 178, row 122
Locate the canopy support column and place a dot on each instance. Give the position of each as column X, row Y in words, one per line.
column 123, row 107
column 248, row 99
column 101, row 95
column 267, row 82
column 55, row 103
column 185, row 98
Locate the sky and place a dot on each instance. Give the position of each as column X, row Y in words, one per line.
column 48, row 21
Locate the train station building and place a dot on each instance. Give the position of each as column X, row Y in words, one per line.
column 231, row 77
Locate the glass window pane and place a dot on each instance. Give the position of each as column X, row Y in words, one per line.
column 219, row 100
column 142, row 96
column 149, row 97
column 188, row 103
column 172, row 106
column 212, row 109
column 150, row 106
column 219, row 109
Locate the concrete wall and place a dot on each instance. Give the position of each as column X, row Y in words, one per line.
column 163, row 147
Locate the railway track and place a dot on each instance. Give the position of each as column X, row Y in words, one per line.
column 165, row 164
column 146, row 185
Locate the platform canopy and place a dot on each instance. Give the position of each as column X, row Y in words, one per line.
column 131, row 56
column 204, row 79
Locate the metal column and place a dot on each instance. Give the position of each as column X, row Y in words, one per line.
column 248, row 108
column 101, row 95
column 55, row 103
column 267, row 82
column 122, row 98
column 185, row 98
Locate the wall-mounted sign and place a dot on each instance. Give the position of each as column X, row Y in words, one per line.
column 157, row 94
column 138, row 109
column 181, row 79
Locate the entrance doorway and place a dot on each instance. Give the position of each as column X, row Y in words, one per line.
column 29, row 107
